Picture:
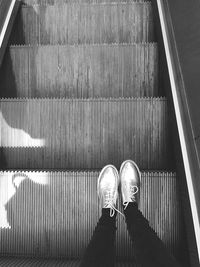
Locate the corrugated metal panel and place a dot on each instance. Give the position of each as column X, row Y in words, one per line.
column 85, row 23
column 80, row 71
column 54, row 214
column 84, row 134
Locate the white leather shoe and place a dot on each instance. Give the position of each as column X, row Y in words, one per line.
column 107, row 188
column 130, row 178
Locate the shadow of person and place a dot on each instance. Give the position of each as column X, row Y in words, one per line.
column 48, row 220
column 27, row 213
column 27, row 208
column 10, row 184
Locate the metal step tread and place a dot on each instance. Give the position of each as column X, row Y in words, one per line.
column 56, row 2
column 100, row 70
column 53, row 214
column 114, row 44
column 84, row 23
column 26, row 262
column 86, row 3
column 85, row 45
column 84, row 133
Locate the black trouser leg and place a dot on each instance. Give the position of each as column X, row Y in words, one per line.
column 101, row 250
column 149, row 249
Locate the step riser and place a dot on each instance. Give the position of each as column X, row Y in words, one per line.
column 58, row 219
column 74, row 23
column 80, row 71
column 84, row 134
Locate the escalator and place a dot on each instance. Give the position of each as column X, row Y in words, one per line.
column 81, row 87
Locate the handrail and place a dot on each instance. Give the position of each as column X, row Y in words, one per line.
column 8, row 11
column 183, row 86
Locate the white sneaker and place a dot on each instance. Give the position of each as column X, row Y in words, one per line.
column 107, row 188
column 130, row 178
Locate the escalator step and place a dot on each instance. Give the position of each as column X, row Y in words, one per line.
column 26, row 262
column 80, row 71
column 84, row 134
column 53, row 214
column 55, row 2
column 84, row 23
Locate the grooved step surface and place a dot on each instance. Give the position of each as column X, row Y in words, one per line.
column 10, row 262
column 80, row 71
column 84, row 23
column 55, row 2
column 84, row 134
column 53, row 214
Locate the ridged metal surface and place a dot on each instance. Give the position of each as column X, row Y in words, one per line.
column 53, row 214
column 77, row 71
column 14, row 262
column 84, row 23
column 84, row 134
column 55, row 2
column 26, row 262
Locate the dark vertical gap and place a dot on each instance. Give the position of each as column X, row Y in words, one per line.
column 7, row 77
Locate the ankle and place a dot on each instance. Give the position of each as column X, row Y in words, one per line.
column 106, row 213
column 107, row 219
column 129, row 206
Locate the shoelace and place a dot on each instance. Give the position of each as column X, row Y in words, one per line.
column 133, row 191
column 109, row 203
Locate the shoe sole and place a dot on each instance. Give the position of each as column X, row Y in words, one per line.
column 136, row 166
column 117, row 175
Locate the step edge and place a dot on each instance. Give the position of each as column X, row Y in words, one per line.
column 98, row 99
column 95, row 171
column 142, row 2
column 140, row 44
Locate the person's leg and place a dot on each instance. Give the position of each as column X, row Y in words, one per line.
column 149, row 249
column 101, row 251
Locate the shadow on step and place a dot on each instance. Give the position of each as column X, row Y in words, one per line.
column 11, row 90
